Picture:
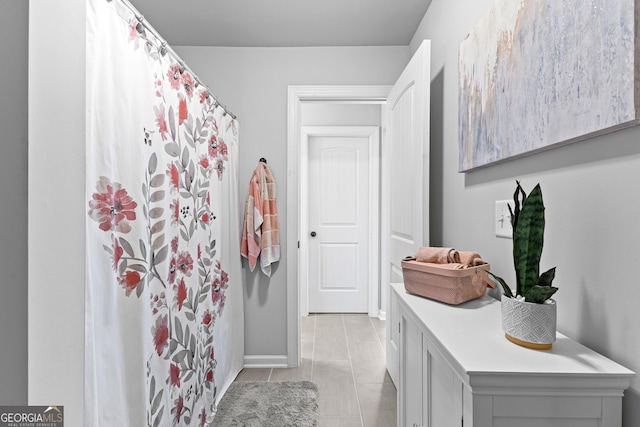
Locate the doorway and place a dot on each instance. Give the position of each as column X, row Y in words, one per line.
column 298, row 96
column 339, row 233
column 405, row 154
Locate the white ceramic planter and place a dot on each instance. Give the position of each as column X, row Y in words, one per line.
column 528, row 324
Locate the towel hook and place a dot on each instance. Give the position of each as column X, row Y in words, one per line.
column 263, row 160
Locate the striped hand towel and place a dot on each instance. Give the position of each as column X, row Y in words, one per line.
column 260, row 232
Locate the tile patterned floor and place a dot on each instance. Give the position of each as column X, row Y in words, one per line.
column 344, row 355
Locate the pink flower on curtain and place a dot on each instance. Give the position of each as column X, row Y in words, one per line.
column 203, row 417
column 129, row 281
column 213, row 146
column 203, row 96
column 181, row 293
column 223, row 151
column 179, row 77
column 175, row 212
column 174, row 245
column 215, row 292
column 159, row 91
column 173, row 75
column 174, row 176
column 224, row 279
column 204, row 162
column 133, row 33
column 207, row 318
column 185, row 263
column 117, row 253
column 177, row 410
column 183, row 112
column 174, row 375
column 137, row 32
column 161, row 121
column 205, row 218
column 173, row 267
column 188, row 83
column 160, row 334
column 112, row 206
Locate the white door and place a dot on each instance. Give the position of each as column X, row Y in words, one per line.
column 405, row 174
column 339, row 222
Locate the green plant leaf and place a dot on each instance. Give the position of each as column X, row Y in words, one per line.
column 505, row 288
column 518, row 196
column 547, row 277
column 538, row 294
column 528, row 239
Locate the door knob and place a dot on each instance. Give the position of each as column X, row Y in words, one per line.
column 313, row 234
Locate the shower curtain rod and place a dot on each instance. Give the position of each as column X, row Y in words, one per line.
column 165, row 46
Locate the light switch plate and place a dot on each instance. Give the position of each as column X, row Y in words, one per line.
column 502, row 219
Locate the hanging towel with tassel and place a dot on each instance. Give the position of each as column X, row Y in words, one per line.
column 260, row 232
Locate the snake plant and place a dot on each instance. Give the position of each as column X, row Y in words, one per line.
column 527, row 221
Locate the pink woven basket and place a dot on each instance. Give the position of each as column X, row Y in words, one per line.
column 445, row 284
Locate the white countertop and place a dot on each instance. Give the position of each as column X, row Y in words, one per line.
column 471, row 334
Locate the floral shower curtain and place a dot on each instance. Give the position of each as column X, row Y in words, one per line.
column 164, row 330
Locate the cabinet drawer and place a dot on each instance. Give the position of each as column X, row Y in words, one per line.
column 518, row 406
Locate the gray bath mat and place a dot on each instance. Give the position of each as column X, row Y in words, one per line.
column 268, row 404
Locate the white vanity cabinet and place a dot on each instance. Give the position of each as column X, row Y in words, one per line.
column 455, row 368
column 430, row 393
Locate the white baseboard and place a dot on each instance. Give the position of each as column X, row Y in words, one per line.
column 382, row 315
column 266, row 361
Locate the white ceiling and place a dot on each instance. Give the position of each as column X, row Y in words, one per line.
column 260, row 23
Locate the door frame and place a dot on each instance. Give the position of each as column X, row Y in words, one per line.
column 372, row 133
column 296, row 96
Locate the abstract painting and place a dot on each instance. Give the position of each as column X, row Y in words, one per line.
column 536, row 74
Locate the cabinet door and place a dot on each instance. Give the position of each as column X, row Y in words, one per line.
column 410, row 390
column 443, row 390
column 393, row 336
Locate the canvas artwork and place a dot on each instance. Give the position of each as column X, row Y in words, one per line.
column 535, row 74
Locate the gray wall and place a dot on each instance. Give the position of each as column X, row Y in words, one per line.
column 14, row 16
column 253, row 83
column 57, row 205
column 592, row 207
column 333, row 114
